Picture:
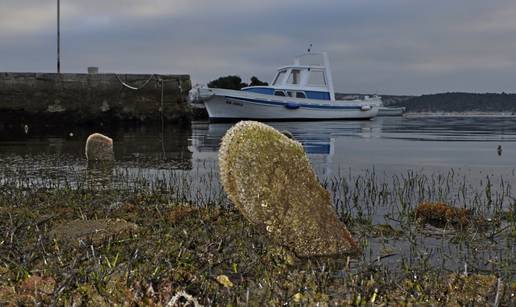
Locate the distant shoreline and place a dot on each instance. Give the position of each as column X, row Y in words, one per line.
column 458, row 104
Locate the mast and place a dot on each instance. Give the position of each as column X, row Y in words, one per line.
column 58, row 37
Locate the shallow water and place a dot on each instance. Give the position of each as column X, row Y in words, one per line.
column 452, row 159
column 390, row 144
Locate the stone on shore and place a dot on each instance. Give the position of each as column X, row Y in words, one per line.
column 99, row 148
column 96, row 231
column 270, row 180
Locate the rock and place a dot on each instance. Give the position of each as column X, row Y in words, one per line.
column 99, row 148
column 183, row 296
column 269, row 179
column 95, row 230
column 297, row 298
column 225, row 281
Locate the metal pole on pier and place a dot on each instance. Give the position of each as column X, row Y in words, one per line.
column 58, row 37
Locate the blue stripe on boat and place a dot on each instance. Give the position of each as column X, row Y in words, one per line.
column 317, row 95
column 260, row 90
column 308, row 106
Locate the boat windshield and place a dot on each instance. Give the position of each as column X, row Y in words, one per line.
column 317, row 78
column 294, row 76
column 279, row 77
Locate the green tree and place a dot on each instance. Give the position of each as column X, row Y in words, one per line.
column 228, row 82
column 256, row 82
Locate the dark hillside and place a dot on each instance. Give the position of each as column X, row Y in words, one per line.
column 460, row 102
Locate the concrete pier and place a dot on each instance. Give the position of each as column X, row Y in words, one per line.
column 55, row 99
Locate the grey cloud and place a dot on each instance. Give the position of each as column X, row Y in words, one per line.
column 398, row 46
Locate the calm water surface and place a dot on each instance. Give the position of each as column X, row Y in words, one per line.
column 393, row 144
column 389, row 145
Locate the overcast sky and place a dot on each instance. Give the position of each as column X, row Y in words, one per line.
column 383, row 46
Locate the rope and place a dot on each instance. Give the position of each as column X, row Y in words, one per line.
column 161, row 82
column 132, row 87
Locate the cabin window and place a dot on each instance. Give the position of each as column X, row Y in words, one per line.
column 300, row 95
column 294, row 76
column 317, row 79
column 279, row 77
column 279, row 93
column 289, row 94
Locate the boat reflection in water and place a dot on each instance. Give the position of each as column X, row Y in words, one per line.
column 318, row 140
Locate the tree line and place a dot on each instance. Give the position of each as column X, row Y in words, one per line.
column 234, row 83
column 460, row 102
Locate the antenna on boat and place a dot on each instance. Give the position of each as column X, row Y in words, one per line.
column 309, row 48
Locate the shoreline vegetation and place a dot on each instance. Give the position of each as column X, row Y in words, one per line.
column 111, row 238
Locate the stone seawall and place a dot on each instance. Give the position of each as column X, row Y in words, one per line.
column 52, row 99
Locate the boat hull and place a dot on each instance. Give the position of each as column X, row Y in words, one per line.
column 231, row 106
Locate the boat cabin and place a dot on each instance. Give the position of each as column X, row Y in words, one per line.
column 302, row 79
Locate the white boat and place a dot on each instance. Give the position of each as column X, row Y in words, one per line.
column 302, row 91
column 382, row 109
